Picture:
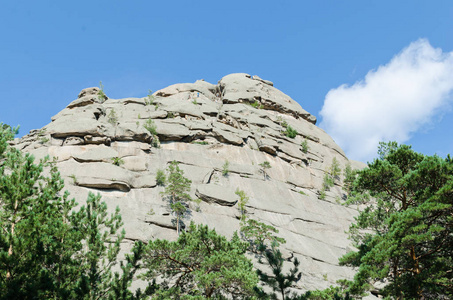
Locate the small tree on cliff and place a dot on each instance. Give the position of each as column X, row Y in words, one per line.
column 176, row 191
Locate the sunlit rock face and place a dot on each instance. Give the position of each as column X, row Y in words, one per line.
column 241, row 120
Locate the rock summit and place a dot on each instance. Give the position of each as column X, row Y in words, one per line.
column 243, row 120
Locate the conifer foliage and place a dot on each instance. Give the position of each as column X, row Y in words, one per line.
column 409, row 198
column 176, row 191
column 278, row 281
column 47, row 248
column 200, row 264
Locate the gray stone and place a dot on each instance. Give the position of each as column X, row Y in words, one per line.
column 73, row 140
column 83, row 101
column 89, row 92
column 256, row 77
column 241, row 88
column 198, row 87
column 212, row 193
column 227, row 137
column 94, row 154
column 171, row 131
column 74, row 126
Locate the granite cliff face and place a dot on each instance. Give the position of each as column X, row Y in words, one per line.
column 201, row 125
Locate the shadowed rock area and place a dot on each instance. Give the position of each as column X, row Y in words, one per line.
column 241, row 120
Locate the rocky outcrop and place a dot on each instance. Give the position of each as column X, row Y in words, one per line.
column 242, row 120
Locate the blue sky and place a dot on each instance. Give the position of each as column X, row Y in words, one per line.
column 312, row 50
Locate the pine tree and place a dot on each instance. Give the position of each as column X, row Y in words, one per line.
column 48, row 249
column 243, row 200
column 176, row 191
column 200, row 264
column 278, row 281
column 259, row 234
column 409, row 211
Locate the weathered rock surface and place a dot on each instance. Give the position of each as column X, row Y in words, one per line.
column 202, row 125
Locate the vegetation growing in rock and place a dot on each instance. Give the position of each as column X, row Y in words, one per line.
column 112, row 118
column 42, row 136
column 243, row 199
column 160, row 177
column 255, row 104
column 152, row 129
column 226, row 168
column 200, row 142
column 330, row 293
column 290, row 132
column 349, row 177
column 197, row 201
column 328, row 182
column 331, row 174
column 405, row 235
column 149, row 100
column 44, row 140
column 335, row 169
column 101, row 95
column 200, row 264
column 74, row 178
column 304, row 146
column 264, row 167
column 117, row 161
column 258, row 233
column 176, row 192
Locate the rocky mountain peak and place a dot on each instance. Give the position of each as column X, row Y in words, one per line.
column 116, row 146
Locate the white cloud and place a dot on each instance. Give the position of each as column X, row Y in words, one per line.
column 392, row 102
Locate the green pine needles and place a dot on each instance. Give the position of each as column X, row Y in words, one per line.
column 255, row 104
column 332, row 174
column 290, row 132
column 242, row 202
column 117, row 161
column 101, row 95
column 201, row 264
column 279, row 282
column 226, row 168
column 304, row 146
column 258, row 234
column 176, row 192
column 149, row 100
column 152, row 129
column 160, row 177
column 112, row 117
column 405, row 235
column 48, row 247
